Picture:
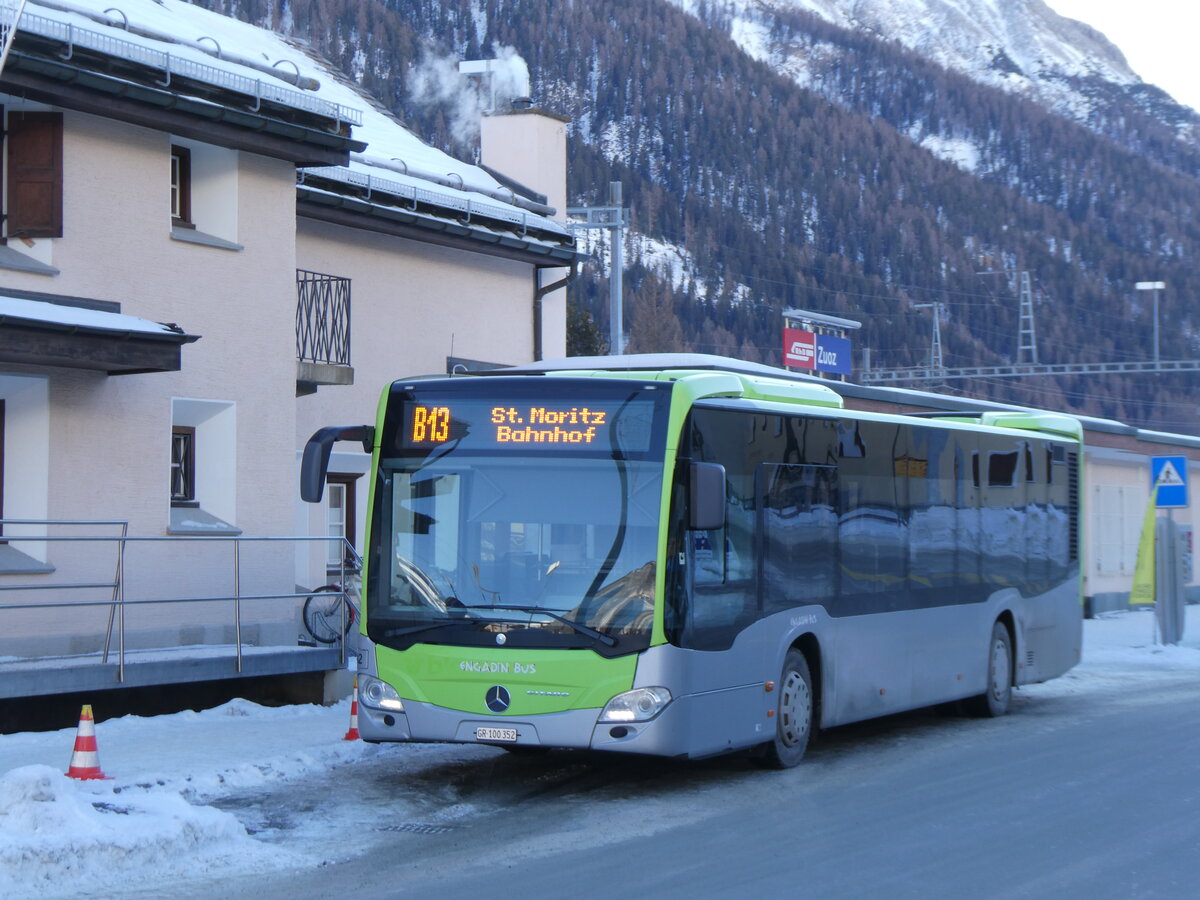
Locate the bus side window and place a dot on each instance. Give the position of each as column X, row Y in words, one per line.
column 721, row 561
column 799, row 526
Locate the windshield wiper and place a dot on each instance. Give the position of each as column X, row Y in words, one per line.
column 606, row 639
column 428, row 626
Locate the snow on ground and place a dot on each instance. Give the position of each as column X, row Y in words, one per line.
column 962, row 153
column 62, row 837
column 150, row 820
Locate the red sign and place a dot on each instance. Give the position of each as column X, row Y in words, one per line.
column 799, row 348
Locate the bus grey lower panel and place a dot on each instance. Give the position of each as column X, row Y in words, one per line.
column 696, row 725
column 687, row 727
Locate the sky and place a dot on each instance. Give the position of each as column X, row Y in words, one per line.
column 158, row 820
column 1158, row 38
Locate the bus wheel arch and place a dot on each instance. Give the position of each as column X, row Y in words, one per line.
column 1001, row 671
column 811, row 648
column 796, row 706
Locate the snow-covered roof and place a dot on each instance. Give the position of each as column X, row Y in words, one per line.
column 407, row 187
column 14, row 310
column 81, row 27
column 205, row 46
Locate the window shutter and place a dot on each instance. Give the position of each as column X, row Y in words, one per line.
column 35, row 174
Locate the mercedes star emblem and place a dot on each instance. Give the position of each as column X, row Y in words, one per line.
column 497, row 699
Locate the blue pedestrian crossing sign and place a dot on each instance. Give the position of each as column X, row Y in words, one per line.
column 1170, row 475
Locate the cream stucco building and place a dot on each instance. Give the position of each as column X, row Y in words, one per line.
column 213, row 247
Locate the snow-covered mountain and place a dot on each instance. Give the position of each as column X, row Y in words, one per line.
column 861, row 158
column 1021, row 46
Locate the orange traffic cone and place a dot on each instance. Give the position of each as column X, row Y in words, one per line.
column 352, row 734
column 85, row 761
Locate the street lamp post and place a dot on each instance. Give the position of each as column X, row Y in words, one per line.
column 1154, row 286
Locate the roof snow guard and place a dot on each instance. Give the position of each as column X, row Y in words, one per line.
column 462, row 220
column 63, row 63
column 176, row 66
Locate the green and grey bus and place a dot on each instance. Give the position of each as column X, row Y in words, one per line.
column 686, row 556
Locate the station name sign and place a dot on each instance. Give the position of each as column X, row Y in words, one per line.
column 815, row 352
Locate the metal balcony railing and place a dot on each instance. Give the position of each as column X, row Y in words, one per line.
column 322, row 318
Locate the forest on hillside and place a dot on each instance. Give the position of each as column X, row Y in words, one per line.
column 821, row 197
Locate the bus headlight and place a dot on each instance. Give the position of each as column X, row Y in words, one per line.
column 638, row 705
column 379, row 694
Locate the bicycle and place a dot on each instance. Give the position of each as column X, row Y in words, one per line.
column 329, row 612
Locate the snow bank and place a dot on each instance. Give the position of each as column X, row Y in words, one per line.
column 59, row 836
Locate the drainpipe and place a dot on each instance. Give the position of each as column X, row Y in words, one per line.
column 539, row 293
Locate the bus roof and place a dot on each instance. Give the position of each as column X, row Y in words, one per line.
column 653, row 362
column 790, row 386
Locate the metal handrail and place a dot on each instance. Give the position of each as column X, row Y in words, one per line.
column 118, row 602
column 157, row 600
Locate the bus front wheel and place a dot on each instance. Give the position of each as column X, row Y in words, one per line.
column 793, row 714
column 995, row 700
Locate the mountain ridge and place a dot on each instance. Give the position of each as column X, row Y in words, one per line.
column 839, row 195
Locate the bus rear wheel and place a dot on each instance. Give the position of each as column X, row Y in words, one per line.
column 995, row 700
column 793, row 715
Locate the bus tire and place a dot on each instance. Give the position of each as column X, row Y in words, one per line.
column 793, row 714
column 996, row 699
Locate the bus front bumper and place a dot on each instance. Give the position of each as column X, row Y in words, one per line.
column 665, row 735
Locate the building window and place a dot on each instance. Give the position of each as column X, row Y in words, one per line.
column 181, row 186
column 203, row 467
column 24, row 471
column 183, row 466
column 34, row 186
column 339, row 517
column 1002, row 468
column 204, row 194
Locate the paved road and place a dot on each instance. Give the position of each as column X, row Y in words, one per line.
column 1069, row 796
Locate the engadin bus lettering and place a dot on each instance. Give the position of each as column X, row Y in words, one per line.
column 497, row 668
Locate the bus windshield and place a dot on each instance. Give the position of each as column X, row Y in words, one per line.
column 519, row 519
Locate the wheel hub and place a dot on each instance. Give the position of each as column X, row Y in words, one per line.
column 795, row 705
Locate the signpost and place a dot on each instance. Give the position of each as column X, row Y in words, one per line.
column 816, row 343
column 1170, row 475
column 1161, row 572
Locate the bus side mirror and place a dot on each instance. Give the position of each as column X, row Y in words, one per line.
column 706, row 496
column 314, row 467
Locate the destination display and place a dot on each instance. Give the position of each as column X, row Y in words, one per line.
column 535, row 424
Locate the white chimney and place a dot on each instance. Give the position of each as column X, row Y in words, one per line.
column 529, row 146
